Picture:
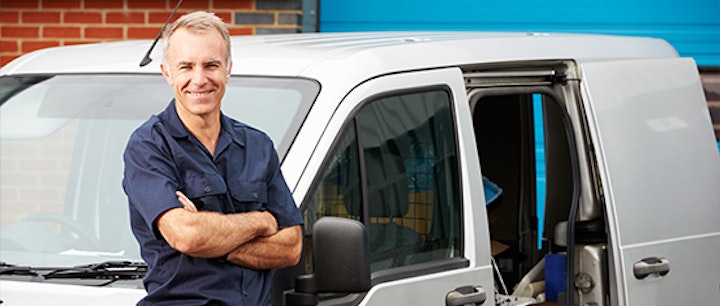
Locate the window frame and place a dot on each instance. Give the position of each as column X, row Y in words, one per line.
column 412, row 270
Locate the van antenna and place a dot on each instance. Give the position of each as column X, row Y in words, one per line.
column 146, row 60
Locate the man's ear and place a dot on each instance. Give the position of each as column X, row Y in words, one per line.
column 229, row 69
column 166, row 73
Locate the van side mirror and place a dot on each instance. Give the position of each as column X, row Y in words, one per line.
column 341, row 261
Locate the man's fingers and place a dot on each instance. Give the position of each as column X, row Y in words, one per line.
column 186, row 203
column 273, row 229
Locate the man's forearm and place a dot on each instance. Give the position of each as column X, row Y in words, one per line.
column 209, row 234
column 280, row 250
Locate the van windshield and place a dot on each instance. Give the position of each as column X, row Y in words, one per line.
column 61, row 144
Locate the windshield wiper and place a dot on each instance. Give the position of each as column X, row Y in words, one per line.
column 113, row 270
column 8, row 269
column 108, row 270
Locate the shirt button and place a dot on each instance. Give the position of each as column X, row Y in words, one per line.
column 207, row 189
column 255, row 195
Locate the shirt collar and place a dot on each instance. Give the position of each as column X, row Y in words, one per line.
column 233, row 128
column 172, row 121
column 177, row 129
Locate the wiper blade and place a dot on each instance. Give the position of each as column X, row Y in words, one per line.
column 114, row 270
column 8, row 269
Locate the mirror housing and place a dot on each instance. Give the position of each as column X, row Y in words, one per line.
column 341, row 261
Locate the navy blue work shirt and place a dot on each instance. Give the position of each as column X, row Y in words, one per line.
column 243, row 175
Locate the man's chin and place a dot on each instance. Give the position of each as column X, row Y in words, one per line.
column 201, row 107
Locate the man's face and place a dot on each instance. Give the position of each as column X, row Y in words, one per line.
column 198, row 71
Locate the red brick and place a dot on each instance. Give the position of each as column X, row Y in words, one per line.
column 161, row 18
column 192, row 4
column 19, row 31
column 125, row 17
column 9, row 17
column 9, row 46
column 104, row 4
column 61, row 31
column 151, row 4
column 27, row 46
column 102, row 39
column 74, row 42
column 104, row 32
column 61, row 4
column 233, row 4
column 4, row 59
column 40, row 17
column 20, row 4
column 241, row 31
column 226, row 17
column 81, row 17
column 142, row 32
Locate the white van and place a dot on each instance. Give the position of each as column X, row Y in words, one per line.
column 414, row 158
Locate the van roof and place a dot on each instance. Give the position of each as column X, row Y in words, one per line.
column 365, row 53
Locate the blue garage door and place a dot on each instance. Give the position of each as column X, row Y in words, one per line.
column 692, row 26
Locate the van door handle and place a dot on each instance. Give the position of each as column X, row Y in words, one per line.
column 651, row 265
column 473, row 295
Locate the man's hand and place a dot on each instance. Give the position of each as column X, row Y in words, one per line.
column 186, row 203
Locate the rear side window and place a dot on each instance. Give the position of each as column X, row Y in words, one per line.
column 395, row 169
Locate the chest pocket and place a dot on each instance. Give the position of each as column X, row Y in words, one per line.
column 206, row 191
column 248, row 196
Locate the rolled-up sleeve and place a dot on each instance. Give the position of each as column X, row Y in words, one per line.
column 280, row 201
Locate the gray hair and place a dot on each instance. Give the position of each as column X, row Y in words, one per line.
column 198, row 22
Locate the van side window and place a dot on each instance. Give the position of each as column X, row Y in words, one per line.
column 395, row 168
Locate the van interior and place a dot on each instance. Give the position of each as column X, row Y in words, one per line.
column 528, row 146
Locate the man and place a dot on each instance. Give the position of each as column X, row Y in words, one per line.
column 208, row 203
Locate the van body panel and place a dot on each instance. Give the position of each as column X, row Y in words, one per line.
column 691, row 272
column 660, row 171
column 428, row 289
column 33, row 293
column 363, row 53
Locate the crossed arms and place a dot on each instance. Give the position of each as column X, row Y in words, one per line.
column 251, row 240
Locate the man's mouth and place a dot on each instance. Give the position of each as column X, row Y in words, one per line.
column 200, row 94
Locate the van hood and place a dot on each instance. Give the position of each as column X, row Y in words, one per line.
column 29, row 293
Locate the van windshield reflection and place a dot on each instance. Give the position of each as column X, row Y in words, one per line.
column 61, row 144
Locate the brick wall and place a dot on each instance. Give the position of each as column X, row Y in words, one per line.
column 711, row 83
column 27, row 25
column 33, row 181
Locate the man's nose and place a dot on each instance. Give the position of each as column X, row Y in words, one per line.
column 199, row 77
